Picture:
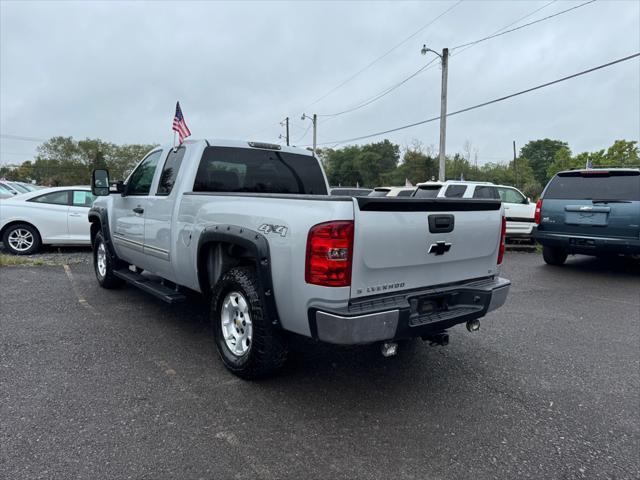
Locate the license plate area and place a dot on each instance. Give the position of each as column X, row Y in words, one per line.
column 596, row 219
column 445, row 306
column 582, row 242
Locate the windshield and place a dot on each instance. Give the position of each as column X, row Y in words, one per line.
column 20, row 188
column 596, row 185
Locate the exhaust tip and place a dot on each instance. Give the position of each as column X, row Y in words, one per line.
column 473, row 325
column 389, row 349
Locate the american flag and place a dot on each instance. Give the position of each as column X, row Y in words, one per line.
column 179, row 125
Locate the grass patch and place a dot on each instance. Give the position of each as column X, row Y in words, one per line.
column 7, row 260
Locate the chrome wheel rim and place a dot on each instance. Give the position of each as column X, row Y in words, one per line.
column 235, row 321
column 101, row 260
column 21, row 239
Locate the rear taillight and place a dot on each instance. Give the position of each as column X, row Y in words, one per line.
column 537, row 215
column 503, row 238
column 329, row 254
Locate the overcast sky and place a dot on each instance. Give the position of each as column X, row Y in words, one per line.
column 114, row 70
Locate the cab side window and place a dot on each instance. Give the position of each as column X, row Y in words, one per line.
column 170, row 171
column 140, row 181
column 455, row 191
column 82, row 198
column 511, row 196
column 54, row 198
column 486, row 192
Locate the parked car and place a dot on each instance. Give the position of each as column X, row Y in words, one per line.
column 519, row 211
column 589, row 212
column 251, row 226
column 55, row 216
column 457, row 189
column 14, row 189
column 392, row 192
column 351, row 191
column 5, row 192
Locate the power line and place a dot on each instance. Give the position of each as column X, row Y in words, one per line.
column 501, row 31
column 522, row 26
column 514, row 22
column 376, row 60
column 379, row 95
column 303, row 135
column 484, row 104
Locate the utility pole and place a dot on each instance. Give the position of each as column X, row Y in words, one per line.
column 444, row 57
column 314, row 124
column 515, row 164
column 286, row 121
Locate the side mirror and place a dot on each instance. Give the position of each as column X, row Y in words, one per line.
column 100, row 182
column 117, row 187
column 528, row 200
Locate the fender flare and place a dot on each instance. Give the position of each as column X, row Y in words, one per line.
column 253, row 242
column 100, row 214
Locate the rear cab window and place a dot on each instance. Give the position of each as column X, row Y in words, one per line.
column 623, row 185
column 229, row 169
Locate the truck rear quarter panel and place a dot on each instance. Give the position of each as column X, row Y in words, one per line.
column 288, row 219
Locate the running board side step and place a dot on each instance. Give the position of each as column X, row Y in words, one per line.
column 151, row 286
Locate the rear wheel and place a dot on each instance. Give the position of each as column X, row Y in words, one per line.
column 22, row 239
column 248, row 343
column 554, row 255
column 103, row 264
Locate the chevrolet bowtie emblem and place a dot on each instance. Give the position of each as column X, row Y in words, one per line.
column 439, row 248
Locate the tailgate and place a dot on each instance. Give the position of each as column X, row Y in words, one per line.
column 402, row 244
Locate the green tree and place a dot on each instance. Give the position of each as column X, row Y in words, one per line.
column 364, row 165
column 622, row 154
column 541, row 154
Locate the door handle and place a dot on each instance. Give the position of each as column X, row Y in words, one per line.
column 139, row 210
column 441, row 223
column 75, row 214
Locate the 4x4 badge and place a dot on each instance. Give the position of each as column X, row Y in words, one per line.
column 439, row 248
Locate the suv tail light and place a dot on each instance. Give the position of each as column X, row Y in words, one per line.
column 329, row 254
column 503, row 238
column 538, row 214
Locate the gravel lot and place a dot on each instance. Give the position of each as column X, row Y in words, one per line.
column 57, row 255
column 114, row 384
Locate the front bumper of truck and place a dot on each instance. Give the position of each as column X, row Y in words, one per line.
column 409, row 314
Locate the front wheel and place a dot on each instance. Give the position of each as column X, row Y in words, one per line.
column 554, row 255
column 22, row 239
column 248, row 343
column 103, row 264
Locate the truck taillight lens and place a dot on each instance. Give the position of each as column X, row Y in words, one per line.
column 503, row 239
column 329, row 254
column 536, row 217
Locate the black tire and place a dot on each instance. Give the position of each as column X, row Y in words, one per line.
column 108, row 279
column 267, row 350
column 554, row 255
column 33, row 236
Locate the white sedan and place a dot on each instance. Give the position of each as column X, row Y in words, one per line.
column 50, row 216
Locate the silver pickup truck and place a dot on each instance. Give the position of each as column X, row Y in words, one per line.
column 251, row 226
